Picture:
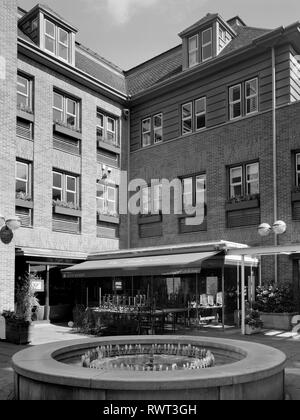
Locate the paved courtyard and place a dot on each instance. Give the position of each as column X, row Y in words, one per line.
column 50, row 333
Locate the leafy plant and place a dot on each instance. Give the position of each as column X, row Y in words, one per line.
column 66, row 125
column 65, row 204
column 25, row 300
column 20, row 195
column 243, row 198
column 253, row 319
column 275, row 299
column 108, row 213
column 25, row 108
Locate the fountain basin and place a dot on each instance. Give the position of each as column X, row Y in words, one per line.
column 245, row 371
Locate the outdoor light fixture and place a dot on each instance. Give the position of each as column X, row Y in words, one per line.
column 278, row 228
column 7, row 227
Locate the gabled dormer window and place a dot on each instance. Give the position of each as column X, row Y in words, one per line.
column 57, row 41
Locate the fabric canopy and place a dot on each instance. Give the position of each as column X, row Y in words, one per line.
column 138, row 266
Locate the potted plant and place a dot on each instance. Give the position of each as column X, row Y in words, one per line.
column 253, row 322
column 18, row 323
column 276, row 305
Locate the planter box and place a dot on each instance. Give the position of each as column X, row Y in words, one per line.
column 66, row 212
column 24, row 203
column 108, row 146
column 18, row 332
column 243, row 205
column 108, row 219
column 152, row 218
column 25, row 115
column 277, row 321
column 251, row 331
column 295, row 196
column 65, row 131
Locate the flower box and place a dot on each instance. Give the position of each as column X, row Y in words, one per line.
column 277, row 321
column 295, row 196
column 25, row 115
column 66, row 211
column 108, row 146
column 67, row 131
column 18, row 332
column 242, row 205
column 106, row 218
column 24, row 203
column 249, row 330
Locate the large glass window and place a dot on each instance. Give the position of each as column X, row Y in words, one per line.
column 243, row 99
column 244, row 180
column 66, row 111
column 65, row 188
column 193, row 50
column 57, row 41
column 207, row 50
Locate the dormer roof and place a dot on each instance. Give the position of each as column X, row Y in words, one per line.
column 208, row 19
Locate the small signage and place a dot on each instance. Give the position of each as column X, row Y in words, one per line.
column 6, row 235
column 118, row 285
column 38, row 285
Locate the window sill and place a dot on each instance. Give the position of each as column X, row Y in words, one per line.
column 67, row 131
column 148, row 219
column 108, row 146
column 66, row 212
column 243, row 205
column 25, row 115
column 108, row 219
column 24, row 204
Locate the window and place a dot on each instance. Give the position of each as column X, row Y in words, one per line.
column 57, row 41
column 146, row 132
column 152, row 130
column 158, row 128
column 243, row 99
column 193, row 50
column 251, row 88
column 194, row 192
column 66, row 111
column 235, row 102
column 107, row 199
column 65, row 188
column 244, row 180
column 187, row 118
column 23, row 182
column 298, row 170
column 207, row 51
column 107, row 129
column 200, row 113
column 24, row 93
column 194, row 120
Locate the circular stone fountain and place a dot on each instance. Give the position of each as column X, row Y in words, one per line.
column 150, row 368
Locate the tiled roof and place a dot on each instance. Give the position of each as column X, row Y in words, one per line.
column 170, row 63
column 154, row 71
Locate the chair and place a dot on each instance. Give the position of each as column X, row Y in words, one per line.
column 211, row 300
column 203, row 300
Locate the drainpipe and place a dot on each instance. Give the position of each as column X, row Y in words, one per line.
column 128, row 178
column 274, row 155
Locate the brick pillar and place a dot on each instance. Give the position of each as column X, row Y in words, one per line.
column 8, row 81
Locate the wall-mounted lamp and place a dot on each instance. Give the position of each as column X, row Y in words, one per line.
column 7, row 227
column 278, row 228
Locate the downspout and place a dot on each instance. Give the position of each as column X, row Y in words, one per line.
column 128, row 179
column 274, row 130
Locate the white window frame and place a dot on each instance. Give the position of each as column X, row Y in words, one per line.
column 115, row 190
column 46, row 35
column 28, row 94
column 249, row 97
column 233, row 102
column 64, row 109
column 57, row 41
column 204, row 45
column 193, row 51
column 113, row 133
column 105, row 128
column 297, row 171
column 105, row 199
column 71, row 191
column 199, row 114
column 146, row 132
column 63, row 44
column 183, row 119
column 252, row 181
column 57, row 188
column 101, row 199
column 158, row 128
column 235, row 184
column 64, row 187
column 27, row 180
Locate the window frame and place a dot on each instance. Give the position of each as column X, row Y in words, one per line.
column 158, row 128
column 196, row 50
column 54, row 38
column 244, row 183
column 64, row 110
column 232, row 185
column 57, row 42
column 252, row 96
column 105, row 200
column 194, row 178
column 152, row 130
column 233, row 102
column 200, row 113
column 183, row 119
column 29, row 94
column 205, row 45
column 28, row 180
column 105, row 128
column 64, row 187
column 247, row 183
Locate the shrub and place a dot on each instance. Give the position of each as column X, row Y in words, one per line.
column 275, row 299
column 253, row 319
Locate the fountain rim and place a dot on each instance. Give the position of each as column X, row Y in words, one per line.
column 40, row 364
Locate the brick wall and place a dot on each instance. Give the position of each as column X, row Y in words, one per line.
column 8, row 54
